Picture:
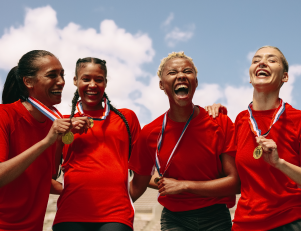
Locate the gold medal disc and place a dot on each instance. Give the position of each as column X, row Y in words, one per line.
column 68, row 138
column 157, row 179
column 91, row 122
column 257, row 152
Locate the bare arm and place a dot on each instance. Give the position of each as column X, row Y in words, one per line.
column 152, row 183
column 225, row 186
column 14, row 167
column 56, row 187
column 138, row 185
column 270, row 155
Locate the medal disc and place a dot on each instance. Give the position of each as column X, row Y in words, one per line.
column 68, row 138
column 157, row 179
column 91, row 122
column 257, row 152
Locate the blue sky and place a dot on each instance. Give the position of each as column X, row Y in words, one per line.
column 218, row 35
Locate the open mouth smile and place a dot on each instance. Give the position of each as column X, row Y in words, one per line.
column 56, row 92
column 262, row 73
column 181, row 90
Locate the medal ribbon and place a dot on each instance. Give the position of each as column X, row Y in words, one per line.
column 160, row 138
column 52, row 113
column 106, row 112
column 276, row 116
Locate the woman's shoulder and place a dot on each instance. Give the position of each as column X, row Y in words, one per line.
column 12, row 109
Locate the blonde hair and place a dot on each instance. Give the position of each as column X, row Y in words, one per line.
column 283, row 59
column 174, row 55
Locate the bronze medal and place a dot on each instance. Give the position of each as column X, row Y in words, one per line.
column 157, row 179
column 68, row 138
column 257, row 152
column 91, row 122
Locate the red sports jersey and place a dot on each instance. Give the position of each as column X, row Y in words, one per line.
column 96, row 172
column 23, row 201
column 269, row 198
column 196, row 158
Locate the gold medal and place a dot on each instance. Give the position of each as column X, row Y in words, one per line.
column 157, row 179
column 68, row 138
column 257, row 152
column 91, row 122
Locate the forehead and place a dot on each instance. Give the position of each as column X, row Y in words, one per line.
column 268, row 51
column 48, row 62
column 176, row 63
column 91, row 68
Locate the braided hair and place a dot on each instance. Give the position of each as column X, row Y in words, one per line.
column 81, row 63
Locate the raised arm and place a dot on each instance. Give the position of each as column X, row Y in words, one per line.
column 270, row 155
column 225, row 186
column 14, row 167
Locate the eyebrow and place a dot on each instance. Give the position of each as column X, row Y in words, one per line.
column 270, row 55
column 53, row 71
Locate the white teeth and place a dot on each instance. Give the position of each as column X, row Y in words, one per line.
column 180, row 86
column 92, row 93
column 56, row 92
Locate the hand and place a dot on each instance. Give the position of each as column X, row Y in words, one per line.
column 58, row 128
column 170, row 186
column 215, row 109
column 270, row 152
column 80, row 125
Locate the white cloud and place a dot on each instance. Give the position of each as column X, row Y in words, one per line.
column 176, row 35
column 251, row 55
column 169, row 19
column 124, row 52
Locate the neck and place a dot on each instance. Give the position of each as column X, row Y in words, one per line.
column 93, row 107
column 265, row 101
column 181, row 113
column 39, row 116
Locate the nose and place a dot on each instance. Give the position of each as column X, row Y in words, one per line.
column 92, row 83
column 181, row 76
column 60, row 81
column 262, row 63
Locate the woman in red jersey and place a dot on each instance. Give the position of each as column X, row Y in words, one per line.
column 95, row 190
column 27, row 159
column 268, row 137
column 192, row 153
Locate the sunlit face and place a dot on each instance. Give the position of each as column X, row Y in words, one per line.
column 179, row 81
column 48, row 85
column 267, row 71
column 91, row 83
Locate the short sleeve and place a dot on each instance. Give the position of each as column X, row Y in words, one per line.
column 228, row 129
column 134, row 126
column 141, row 160
column 4, row 135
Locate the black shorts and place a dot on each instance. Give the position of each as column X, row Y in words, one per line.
column 211, row 218
column 90, row 226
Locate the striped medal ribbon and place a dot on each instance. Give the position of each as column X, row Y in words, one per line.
column 257, row 132
column 53, row 114
column 106, row 112
column 159, row 143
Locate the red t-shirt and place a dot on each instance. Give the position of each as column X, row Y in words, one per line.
column 23, row 201
column 269, row 198
column 96, row 172
column 196, row 158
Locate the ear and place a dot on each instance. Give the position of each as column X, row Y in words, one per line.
column 197, row 82
column 161, row 85
column 75, row 81
column 285, row 77
column 29, row 82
